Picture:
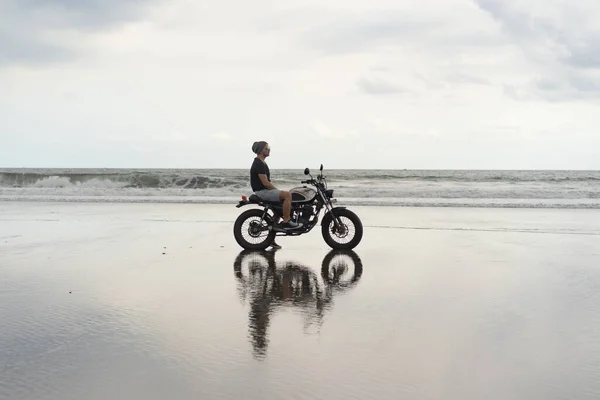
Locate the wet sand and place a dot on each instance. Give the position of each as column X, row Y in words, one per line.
column 154, row 301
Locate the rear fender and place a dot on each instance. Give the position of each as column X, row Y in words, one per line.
column 276, row 212
column 333, row 212
column 242, row 203
column 245, row 201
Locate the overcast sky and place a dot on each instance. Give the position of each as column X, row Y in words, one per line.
column 350, row 83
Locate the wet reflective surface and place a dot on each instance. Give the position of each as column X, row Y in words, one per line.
column 139, row 302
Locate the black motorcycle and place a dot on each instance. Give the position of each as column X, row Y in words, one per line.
column 255, row 229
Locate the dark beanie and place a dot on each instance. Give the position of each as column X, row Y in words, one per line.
column 257, row 147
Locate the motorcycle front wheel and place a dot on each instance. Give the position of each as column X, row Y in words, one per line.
column 344, row 237
column 251, row 233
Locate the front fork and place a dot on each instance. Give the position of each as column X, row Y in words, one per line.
column 337, row 222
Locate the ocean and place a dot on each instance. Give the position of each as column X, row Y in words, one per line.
column 421, row 188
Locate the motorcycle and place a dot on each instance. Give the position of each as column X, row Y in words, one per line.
column 256, row 229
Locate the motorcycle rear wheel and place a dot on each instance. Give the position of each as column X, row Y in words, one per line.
column 336, row 239
column 246, row 230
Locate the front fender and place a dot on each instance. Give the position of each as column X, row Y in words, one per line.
column 328, row 214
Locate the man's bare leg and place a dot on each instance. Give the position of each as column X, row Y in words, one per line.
column 286, row 197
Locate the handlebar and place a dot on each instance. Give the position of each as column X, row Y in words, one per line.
column 311, row 181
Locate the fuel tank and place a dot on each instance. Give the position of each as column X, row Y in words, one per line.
column 302, row 194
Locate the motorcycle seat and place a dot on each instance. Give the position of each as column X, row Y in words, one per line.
column 257, row 200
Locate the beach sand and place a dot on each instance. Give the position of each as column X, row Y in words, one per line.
column 156, row 301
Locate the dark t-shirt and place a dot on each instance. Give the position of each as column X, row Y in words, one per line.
column 258, row 167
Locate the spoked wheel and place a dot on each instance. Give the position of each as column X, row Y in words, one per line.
column 344, row 236
column 251, row 233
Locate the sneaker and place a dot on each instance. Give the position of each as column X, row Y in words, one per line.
column 275, row 246
column 291, row 225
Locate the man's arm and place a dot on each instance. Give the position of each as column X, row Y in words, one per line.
column 265, row 181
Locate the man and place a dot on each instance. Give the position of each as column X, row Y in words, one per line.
column 260, row 180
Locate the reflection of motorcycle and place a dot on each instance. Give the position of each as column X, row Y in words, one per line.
column 255, row 229
column 268, row 286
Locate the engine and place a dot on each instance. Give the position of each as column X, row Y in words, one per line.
column 305, row 214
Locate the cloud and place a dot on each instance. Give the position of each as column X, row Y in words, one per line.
column 378, row 126
column 585, row 54
column 398, row 27
column 222, row 137
column 388, row 46
column 376, row 86
column 560, row 38
column 78, row 14
column 324, row 131
column 30, row 30
column 18, row 47
column 404, row 73
column 352, row 34
column 460, row 77
column 573, row 86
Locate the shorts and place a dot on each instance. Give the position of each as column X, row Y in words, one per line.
column 269, row 194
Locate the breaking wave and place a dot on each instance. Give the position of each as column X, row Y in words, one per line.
column 133, row 179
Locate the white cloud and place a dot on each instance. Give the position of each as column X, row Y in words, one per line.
column 318, row 80
column 222, row 137
column 560, row 38
column 323, row 130
column 32, row 32
column 377, row 86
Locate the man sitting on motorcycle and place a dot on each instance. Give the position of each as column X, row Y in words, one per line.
column 260, row 180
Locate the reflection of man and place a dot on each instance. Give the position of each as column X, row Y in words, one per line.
column 258, row 324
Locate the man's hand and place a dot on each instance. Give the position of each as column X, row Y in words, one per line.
column 265, row 181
